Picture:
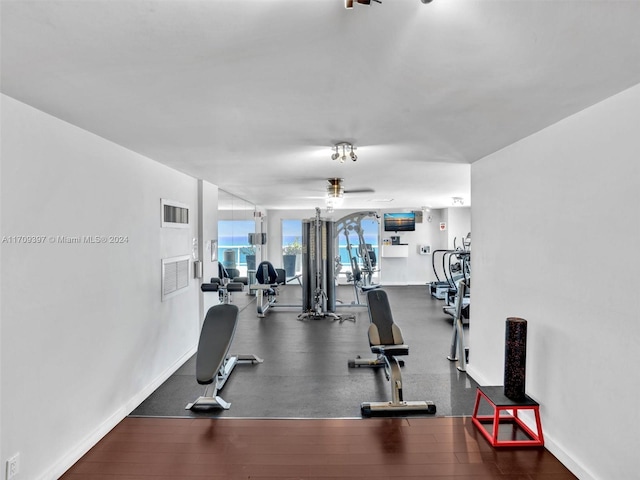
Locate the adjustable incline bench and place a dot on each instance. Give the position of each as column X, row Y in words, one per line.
column 213, row 366
column 385, row 340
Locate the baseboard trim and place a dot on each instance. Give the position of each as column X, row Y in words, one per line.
column 560, row 453
column 549, row 443
column 76, row 453
column 477, row 376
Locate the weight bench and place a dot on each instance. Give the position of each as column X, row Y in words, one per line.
column 213, row 365
column 385, row 340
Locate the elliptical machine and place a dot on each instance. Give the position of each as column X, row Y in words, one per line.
column 360, row 277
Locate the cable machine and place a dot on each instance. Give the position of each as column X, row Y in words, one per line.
column 318, row 270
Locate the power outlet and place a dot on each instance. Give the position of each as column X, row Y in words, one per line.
column 13, row 466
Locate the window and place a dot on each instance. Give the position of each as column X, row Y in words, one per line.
column 292, row 247
column 233, row 243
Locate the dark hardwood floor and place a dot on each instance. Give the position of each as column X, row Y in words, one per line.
column 310, row 449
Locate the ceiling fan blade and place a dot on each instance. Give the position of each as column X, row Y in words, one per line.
column 311, row 197
column 360, row 190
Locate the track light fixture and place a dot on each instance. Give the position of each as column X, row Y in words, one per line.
column 341, row 150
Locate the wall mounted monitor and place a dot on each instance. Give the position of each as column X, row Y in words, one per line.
column 400, row 222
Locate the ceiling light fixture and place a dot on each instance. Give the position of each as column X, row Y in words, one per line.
column 335, row 193
column 458, row 201
column 341, row 150
column 334, row 202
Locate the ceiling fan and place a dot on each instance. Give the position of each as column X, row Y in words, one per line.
column 334, row 192
column 335, row 189
column 349, row 3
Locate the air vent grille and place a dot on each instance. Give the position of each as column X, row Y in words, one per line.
column 175, row 275
column 174, row 214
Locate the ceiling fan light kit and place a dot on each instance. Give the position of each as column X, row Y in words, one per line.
column 335, row 188
column 344, row 150
column 336, row 192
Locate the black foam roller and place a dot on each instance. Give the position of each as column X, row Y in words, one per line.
column 515, row 358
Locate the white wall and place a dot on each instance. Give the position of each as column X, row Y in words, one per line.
column 556, row 232
column 458, row 225
column 416, row 269
column 85, row 336
column 207, row 231
column 2, row 457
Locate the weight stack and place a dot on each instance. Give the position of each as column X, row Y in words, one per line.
column 515, row 358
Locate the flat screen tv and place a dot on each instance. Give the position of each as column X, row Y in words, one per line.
column 400, row 222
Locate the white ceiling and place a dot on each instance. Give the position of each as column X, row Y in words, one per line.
column 250, row 95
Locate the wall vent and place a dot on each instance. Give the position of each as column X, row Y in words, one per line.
column 174, row 214
column 175, row 275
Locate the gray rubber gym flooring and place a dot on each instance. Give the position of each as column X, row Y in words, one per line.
column 305, row 372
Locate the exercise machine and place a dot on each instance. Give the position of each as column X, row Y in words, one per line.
column 360, row 277
column 227, row 281
column 227, row 275
column 224, row 290
column 454, row 296
column 458, row 352
column 318, row 270
column 385, row 340
column 213, row 365
column 269, row 279
column 452, row 272
column 456, row 265
column 465, row 243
